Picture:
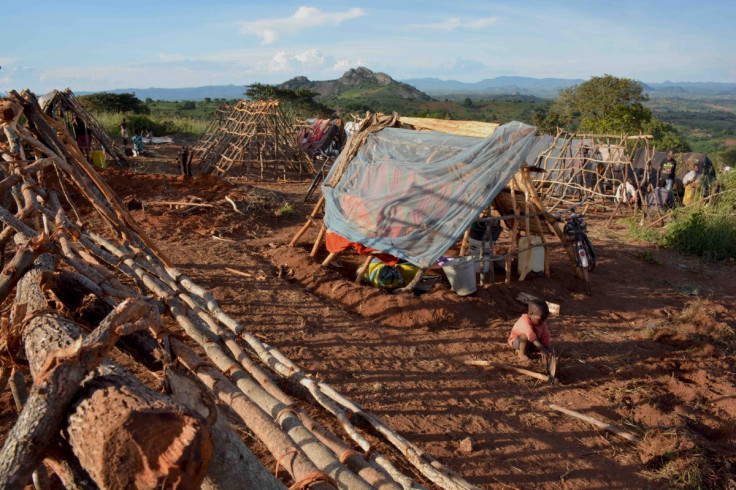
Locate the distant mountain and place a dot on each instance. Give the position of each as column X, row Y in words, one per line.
column 692, row 88
column 188, row 93
column 540, row 87
column 364, row 83
column 358, row 82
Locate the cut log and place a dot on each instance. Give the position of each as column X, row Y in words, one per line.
column 152, row 441
column 233, row 466
column 354, row 460
column 56, row 383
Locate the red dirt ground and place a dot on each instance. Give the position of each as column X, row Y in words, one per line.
column 652, row 351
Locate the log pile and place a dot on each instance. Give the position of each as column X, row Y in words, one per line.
column 80, row 284
column 253, row 139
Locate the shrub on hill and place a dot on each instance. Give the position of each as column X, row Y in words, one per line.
column 707, row 230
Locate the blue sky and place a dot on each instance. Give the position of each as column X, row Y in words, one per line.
column 100, row 45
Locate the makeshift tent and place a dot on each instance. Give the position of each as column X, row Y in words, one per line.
column 412, row 194
column 64, row 106
column 685, row 163
column 254, row 140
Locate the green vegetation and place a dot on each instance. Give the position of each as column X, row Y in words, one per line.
column 707, row 230
column 160, row 125
column 285, row 210
column 707, row 122
column 604, row 105
column 106, row 102
column 300, row 101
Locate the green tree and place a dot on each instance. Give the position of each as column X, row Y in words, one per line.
column 107, row 102
column 600, row 105
column 608, row 104
column 301, row 99
column 665, row 136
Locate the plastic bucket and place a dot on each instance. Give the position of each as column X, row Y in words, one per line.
column 461, row 274
column 98, row 158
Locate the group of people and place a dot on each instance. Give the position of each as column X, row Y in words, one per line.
column 661, row 196
column 138, row 146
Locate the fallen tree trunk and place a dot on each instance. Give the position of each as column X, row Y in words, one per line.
column 124, row 434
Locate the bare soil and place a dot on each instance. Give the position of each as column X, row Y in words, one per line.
column 651, row 351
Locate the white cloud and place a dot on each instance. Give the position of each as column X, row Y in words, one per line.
column 310, row 58
column 170, row 56
column 342, row 66
column 281, row 62
column 269, row 30
column 452, row 23
column 291, row 62
column 480, row 23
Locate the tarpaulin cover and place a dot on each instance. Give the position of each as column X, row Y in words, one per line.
column 413, row 193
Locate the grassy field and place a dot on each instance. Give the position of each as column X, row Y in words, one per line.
column 707, row 122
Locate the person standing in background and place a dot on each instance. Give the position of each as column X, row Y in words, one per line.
column 669, row 167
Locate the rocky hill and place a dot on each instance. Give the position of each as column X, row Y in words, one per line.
column 358, row 82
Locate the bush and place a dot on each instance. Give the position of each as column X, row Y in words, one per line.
column 699, row 232
column 708, row 231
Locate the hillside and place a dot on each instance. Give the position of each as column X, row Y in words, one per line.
column 358, row 84
column 540, row 87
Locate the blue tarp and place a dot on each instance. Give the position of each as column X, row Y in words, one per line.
column 412, row 194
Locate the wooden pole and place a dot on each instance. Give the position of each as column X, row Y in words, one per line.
column 363, row 269
column 601, row 425
column 309, row 222
column 318, row 241
column 507, row 367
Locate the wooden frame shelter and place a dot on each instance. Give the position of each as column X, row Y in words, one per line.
column 253, row 139
column 518, row 205
column 569, row 175
column 64, row 106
